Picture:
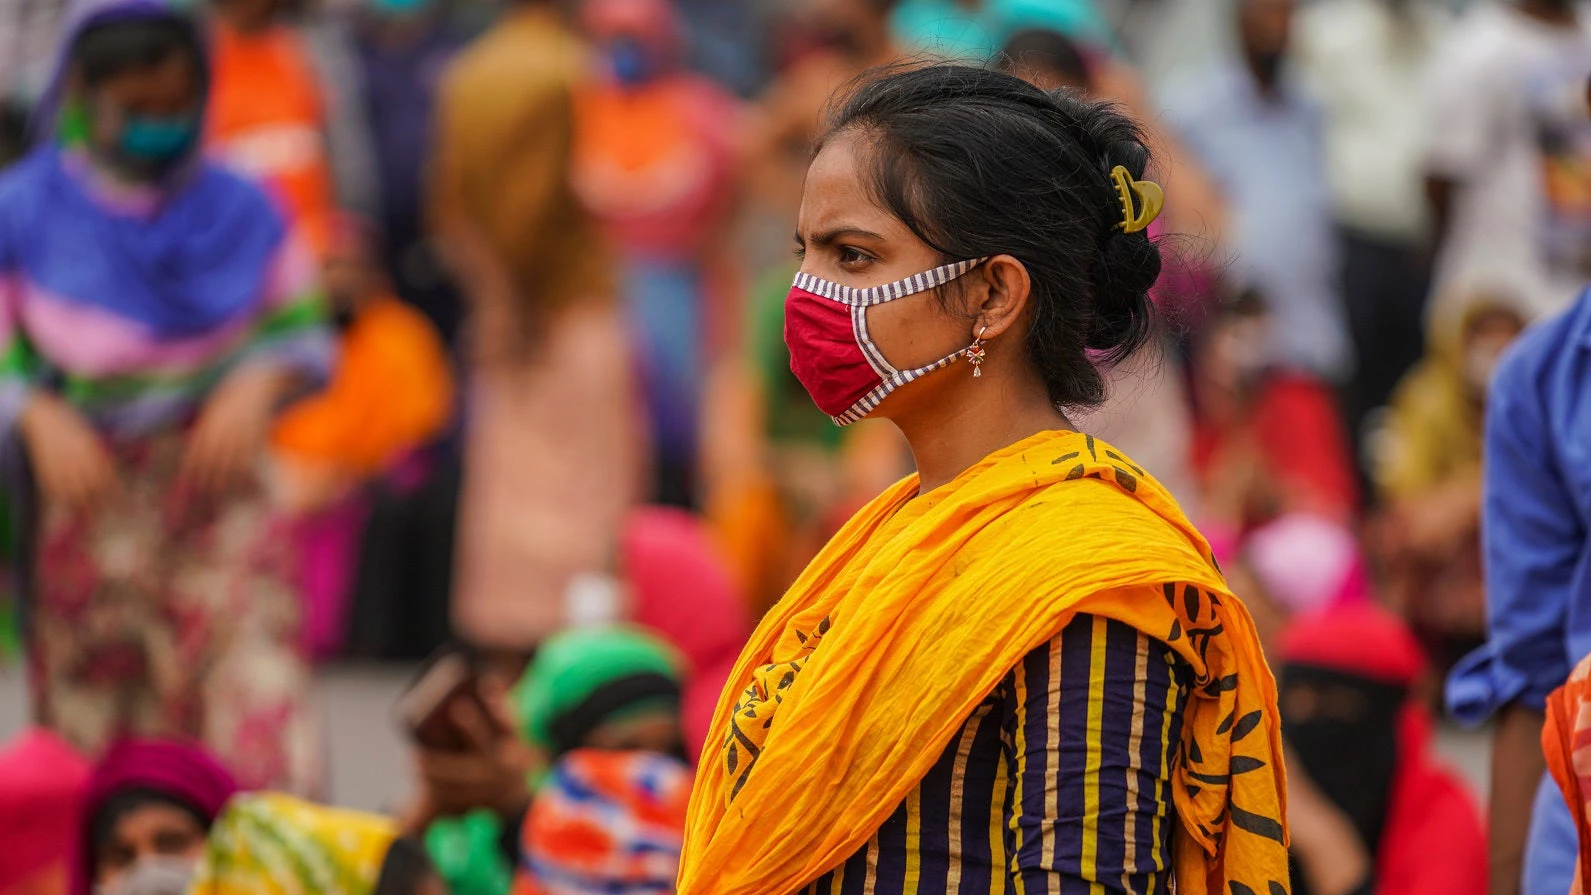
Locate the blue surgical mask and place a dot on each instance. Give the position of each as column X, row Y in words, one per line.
column 632, row 65
column 398, row 8
column 157, row 140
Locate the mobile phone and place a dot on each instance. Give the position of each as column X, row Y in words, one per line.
column 425, row 710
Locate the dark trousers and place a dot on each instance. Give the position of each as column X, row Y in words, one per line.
column 1384, row 287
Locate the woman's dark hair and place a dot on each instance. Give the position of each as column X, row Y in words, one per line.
column 105, row 51
column 102, row 826
column 980, row 163
column 405, row 869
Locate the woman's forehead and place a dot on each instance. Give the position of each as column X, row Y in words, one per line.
column 836, row 195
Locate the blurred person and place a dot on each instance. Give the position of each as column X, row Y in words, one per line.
column 975, row 30
column 41, row 784
column 655, row 162
column 267, row 115
column 606, row 823
column 1428, row 471
column 1563, row 741
column 402, row 49
column 541, row 500
column 159, row 314
column 1024, row 576
column 1267, row 439
column 609, row 688
column 1534, row 500
column 274, row 844
column 390, row 395
column 1365, row 61
column 1371, row 810
column 145, row 813
column 1508, row 152
column 1255, row 131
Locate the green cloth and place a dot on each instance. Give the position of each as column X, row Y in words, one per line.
column 572, row 665
column 466, row 854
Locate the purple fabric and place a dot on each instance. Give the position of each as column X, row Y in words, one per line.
column 198, row 260
column 184, row 773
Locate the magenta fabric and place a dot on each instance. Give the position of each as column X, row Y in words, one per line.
column 184, row 773
column 683, row 590
column 328, row 551
column 41, row 784
column 824, row 353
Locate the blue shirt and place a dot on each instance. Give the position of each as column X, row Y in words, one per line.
column 1267, row 153
column 1537, row 500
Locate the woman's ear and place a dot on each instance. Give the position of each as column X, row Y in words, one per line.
column 1004, row 297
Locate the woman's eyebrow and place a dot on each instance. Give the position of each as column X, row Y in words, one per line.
column 829, row 237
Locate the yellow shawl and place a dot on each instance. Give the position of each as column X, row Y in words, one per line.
column 853, row 685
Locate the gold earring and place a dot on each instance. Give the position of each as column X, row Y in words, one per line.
column 975, row 354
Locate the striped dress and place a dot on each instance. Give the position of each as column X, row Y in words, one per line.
column 1060, row 782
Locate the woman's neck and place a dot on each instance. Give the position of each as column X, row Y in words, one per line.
column 979, row 421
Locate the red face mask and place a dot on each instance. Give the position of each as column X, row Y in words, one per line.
column 825, row 328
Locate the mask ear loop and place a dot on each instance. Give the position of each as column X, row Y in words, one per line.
column 975, row 354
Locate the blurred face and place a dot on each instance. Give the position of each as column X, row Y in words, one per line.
column 1485, row 341
column 847, row 25
column 1265, row 29
column 646, row 732
column 845, row 237
column 248, row 15
column 147, row 832
column 143, row 119
column 1234, row 352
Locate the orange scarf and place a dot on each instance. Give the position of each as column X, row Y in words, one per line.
column 1566, row 741
column 853, row 685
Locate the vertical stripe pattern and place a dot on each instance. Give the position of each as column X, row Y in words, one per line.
column 1059, row 783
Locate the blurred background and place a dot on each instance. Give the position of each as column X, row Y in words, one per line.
column 546, row 245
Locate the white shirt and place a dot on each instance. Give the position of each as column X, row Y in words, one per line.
column 1506, row 119
column 1365, row 62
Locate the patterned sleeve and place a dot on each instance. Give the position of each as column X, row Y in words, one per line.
column 292, row 332
column 1090, row 721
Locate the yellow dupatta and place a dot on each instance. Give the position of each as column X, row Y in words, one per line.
column 853, row 685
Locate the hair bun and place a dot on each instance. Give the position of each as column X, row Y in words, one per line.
column 1127, row 267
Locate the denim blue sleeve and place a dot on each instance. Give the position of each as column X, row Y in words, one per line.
column 1532, row 537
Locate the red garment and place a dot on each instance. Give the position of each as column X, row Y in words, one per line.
column 683, row 590
column 41, row 782
column 1295, row 428
column 1434, row 842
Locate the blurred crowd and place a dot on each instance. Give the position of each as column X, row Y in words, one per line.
column 394, row 329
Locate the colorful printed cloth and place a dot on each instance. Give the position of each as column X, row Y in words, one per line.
column 854, row 684
column 273, row 844
column 1566, row 740
column 184, row 773
column 156, row 618
column 606, row 823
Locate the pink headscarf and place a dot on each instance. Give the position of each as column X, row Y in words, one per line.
column 41, row 782
column 186, row 774
column 683, row 590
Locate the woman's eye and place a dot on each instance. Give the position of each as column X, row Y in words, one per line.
column 850, row 255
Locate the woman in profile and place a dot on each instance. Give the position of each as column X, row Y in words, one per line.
column 1018, row 669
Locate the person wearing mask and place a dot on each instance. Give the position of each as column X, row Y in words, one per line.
column 390, row 395
column 552, row 454
column 607, row 689
column 274, row 844
column 1507, row 152
column 1262, row 140
column 145, row 813
column 158, row 314
column 975, row 30
column 1427, row 465
column 401, row 49
column 655, row 162
column 950, row 691
column 1365, row 62
column 1371, row 811
column 1538, row 592
column 267, row 113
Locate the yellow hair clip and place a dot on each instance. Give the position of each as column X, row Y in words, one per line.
column 1151, row 199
